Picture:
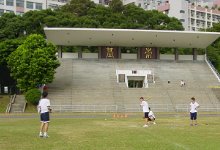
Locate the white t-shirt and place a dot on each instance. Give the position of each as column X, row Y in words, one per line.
column 193, row 107
column 144, row 106
column 151, row 115
column 182, row 82
column 43, row 105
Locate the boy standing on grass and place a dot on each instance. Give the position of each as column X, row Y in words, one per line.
column 44, row 110
column 145, row 109
column 193, row 111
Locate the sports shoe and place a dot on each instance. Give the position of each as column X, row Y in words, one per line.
column 145, row 126
column 46, row 136
column 40, row 135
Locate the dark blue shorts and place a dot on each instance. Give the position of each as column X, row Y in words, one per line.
column 146, row 114
column 193, row 116
column 45, row 117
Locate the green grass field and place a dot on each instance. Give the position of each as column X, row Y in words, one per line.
column 72, row 133
column 4, row 100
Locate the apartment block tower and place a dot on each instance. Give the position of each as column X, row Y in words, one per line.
column 194, row 15
column 21, row 6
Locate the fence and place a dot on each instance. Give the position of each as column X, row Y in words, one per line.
column 132, row 108
column 154, row 107
column 203, row 108
column 84, row 108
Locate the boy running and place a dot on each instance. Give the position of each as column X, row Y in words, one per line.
column 145, row 109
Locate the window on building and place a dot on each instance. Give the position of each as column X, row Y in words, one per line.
column 53, row 6
column 9, row 11
column 10, row 2
column 1, row 2
column 166, row 12
column 39, row 6
column 182, row 20
column 64, row 1
column 1, row 12
column 30, row 5
column 19, row 13
column 182, row 11
column 20, row 3
column 134, row 71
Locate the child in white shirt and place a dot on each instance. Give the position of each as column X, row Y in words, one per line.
column 151, row 116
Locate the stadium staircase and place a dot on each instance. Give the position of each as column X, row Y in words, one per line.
column 18, row 105
column 93, row 82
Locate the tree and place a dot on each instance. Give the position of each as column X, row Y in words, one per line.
column 7, row 47
column 116, row 5
column 33, row 21
column 11, row 26
column 78, row 7
column 174, row 24
column 33, row 62
column 213, row 51
column 33, row 96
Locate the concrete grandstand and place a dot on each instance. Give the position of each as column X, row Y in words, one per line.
column 94, row 82
column 90, row 84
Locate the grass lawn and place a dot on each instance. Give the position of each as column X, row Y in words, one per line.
column 170, row 133
column 4, row 101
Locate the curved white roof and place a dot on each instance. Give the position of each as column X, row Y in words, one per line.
column 129, row 37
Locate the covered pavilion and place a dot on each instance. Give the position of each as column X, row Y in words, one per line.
column 148, row 42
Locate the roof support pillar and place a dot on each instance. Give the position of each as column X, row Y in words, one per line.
column 194, row 51
column 158, row 53
column 100, row 49
column 60, row 53
column 138, row 53
column 80, row 52
column 176, row 54
column 119, row 52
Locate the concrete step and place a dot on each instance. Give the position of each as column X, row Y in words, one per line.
column 94, row 82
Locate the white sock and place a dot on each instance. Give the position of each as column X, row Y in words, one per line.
column 45, row 133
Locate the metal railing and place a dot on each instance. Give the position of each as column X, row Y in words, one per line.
column 203, row 108
column 12, row 100
column 134, row 108
column 24, row 107
column 154, row 107
column 84, row 108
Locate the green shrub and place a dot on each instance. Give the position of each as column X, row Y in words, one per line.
column 33, row 96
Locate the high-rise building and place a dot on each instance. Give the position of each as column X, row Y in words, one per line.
column 194, row 15
column 21, row 6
